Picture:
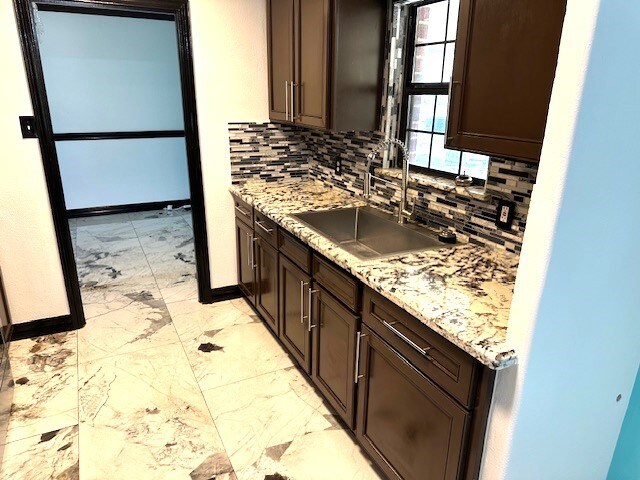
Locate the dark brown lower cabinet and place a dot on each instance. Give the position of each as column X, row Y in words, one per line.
column 334, row 350
column 410, row 427
column 246, row 270
column 267, row 282
column 294, row 312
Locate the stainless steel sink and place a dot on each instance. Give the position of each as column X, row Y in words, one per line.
column 370, row 233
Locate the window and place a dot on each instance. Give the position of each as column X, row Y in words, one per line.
column 430, row 47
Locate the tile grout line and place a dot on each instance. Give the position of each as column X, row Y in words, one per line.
column 206, row 404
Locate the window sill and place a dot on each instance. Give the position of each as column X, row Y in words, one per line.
column 438, row 183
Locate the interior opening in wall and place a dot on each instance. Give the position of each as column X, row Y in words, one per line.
column 115, row 101
column 113, row 93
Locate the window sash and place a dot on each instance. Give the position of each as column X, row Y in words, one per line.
column 413, row 88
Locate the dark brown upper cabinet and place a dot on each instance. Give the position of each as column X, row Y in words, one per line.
column 325, row 62
column 504, row 67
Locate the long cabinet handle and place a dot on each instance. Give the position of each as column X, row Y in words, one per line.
column 268, row 230
column 248, row 238
column 357, row 375
column 293, row 103
column 411, row 343
column 311, row 292
column 302, row 315
column 242, row 211
column 254, row 265
column 286, row 99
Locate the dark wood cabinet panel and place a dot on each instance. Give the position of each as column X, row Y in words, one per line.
column 266, row 228
column 405, row 422
column 295, row 250
column 341, row 284
column 294, row 312
column 243, row 210
column 335, row 51
column 280, row 47
column 267, row 282
column 504, row 68
column 312, row 43
column 334, row 339
column 245, row 259
column 444, row 363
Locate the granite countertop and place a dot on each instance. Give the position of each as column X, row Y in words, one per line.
column 463, row 293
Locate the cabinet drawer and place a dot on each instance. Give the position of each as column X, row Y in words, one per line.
column 243, row 210
column 342, row 285
column 447, row 365
column 295, row 250
column 266, row 228
column 409, row 426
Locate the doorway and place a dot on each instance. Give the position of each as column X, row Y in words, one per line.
column 86, row 150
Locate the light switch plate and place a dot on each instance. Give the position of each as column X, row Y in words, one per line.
column 28, row 127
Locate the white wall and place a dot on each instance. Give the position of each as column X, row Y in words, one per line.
column 112, row 74
column 230, row 56
column 231, row 84
column 28, row 249
column 575, row 318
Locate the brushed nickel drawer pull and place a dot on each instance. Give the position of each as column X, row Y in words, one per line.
column 357, row 375
column 242, row 211
column 302, row 315
column 253, row 253
column 268, row 230
column 311, row 292
column 411, row 343
column 286, row 99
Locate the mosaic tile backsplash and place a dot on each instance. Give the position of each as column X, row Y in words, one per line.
column 267, row 151
column 270, row 152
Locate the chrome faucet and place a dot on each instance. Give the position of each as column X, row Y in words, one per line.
column 403, row 212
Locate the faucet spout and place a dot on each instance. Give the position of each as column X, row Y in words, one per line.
column 403, row 212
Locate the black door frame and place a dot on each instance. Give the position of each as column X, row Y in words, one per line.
column 179, row 10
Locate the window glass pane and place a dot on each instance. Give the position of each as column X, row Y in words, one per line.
column 475, row 165
column 452, row 24
column 421, row 109
column 427, row 64
column 431, row 22
column 419, row 145
column 448, row 62
column 442, row 158
column 440, row 123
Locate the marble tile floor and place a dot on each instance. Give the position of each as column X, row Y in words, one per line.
column 158, row 386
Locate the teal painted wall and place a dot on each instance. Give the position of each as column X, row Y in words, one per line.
column 626, row 459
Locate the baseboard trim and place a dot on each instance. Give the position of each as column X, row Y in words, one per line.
column 128, row 208
column 224, row 293
column 43, row 326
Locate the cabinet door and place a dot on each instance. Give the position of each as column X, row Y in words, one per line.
column 504, row 67
column 312, row 41
column 280, row 43
column 334, row 339
column 294, row 312
column 410, row 427
column 244, row 247
column 267, row 282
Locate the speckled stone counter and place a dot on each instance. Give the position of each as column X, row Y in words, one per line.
column 463, row 293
